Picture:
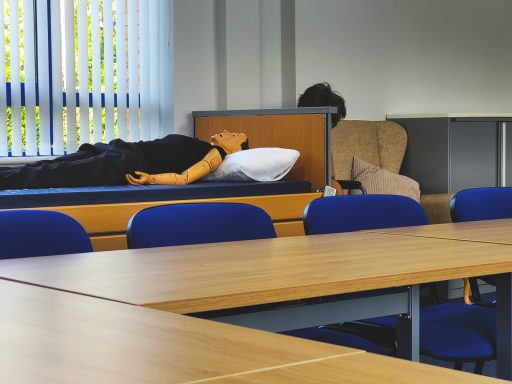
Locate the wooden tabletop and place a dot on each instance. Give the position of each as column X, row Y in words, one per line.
column 205, row 277
column 47, row 336
column 365, row 368
column 487, row 231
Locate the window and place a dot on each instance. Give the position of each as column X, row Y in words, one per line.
column 78, row 71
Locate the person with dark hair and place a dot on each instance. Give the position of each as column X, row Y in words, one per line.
column 321, row 95
column 174, row 159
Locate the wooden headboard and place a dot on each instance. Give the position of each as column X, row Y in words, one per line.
column 304, row 129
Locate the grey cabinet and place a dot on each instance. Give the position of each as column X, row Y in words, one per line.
column 447, row 153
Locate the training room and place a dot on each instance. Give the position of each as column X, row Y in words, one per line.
column 256, row 191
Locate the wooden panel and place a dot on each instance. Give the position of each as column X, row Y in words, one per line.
column 306, row 133
column 290, row 228
column 489, row 231
column 365, row 368
column 205, row 277
column 113, row 218
column 108, row 242
column 57, row 337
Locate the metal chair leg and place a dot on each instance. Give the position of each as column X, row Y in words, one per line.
column 479, row 367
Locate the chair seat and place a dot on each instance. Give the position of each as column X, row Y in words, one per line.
column 335, row 337
column 453, row 331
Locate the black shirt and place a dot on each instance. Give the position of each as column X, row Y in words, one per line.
column 174, row 153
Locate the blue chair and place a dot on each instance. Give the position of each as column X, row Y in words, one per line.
column 30, row 233
column 337, row 337
column 486, row 203
column 355, row 213
column 476, row 204
column 452, row 331
column 197, row 223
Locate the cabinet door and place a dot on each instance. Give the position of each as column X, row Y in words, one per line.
column 508, row 154
column 426, row 158
column 473, row 155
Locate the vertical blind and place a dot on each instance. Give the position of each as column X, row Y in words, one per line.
column 79, row 71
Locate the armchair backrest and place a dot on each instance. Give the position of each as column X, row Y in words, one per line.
column 381, row 143
column 361, row 212
column 197, row 223
column 30, row 233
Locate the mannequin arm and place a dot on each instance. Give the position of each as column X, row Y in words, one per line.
column 467, row 291
column 207, row 164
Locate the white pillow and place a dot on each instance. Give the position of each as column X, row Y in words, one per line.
column 257, row 164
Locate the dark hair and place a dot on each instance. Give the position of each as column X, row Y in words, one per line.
column 321, row 95
column 245, row 145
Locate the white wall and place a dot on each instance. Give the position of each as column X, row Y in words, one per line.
column 403, row 56
column 270, row 54
column 227, row 56
column 195, row 84
column 383, row 56
column 242, row 54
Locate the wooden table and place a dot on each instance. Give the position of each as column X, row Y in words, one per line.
column 364, row 368
column 207, row 277
column 247, row 275
column 485, row 231
column 48, row 336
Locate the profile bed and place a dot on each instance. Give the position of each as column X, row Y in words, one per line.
column 105, row 211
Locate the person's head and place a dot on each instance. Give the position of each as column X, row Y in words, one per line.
column 321, row 95
column 231, row 142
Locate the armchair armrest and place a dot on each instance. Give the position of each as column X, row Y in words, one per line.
column 352, row 184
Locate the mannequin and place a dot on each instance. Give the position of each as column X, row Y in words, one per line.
column 229, row 142
column 174, row 159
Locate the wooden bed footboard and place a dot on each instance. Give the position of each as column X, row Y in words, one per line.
column 307, row 130
column 106, row 223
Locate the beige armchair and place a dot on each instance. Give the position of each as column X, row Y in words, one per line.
column 381, row 143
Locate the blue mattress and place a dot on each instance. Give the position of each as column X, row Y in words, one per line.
column 27, row 198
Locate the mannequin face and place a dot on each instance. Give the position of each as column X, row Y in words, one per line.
column 230, row 142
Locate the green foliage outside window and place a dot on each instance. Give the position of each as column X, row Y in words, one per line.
column 45, row 76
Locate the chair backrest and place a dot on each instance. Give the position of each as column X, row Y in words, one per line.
column 481, row 204
column 30, row 233
column 359, row 212
column 381, row 143
column 196, row 223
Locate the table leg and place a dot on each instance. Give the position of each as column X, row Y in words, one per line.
column 408, row 333
column 504, row 326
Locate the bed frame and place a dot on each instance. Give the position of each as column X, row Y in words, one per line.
column 305, row 129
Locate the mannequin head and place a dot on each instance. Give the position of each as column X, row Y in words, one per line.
column 321, row 95
column 231, row 142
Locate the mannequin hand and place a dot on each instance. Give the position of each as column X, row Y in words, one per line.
column 143, row 178
column 162, row 179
